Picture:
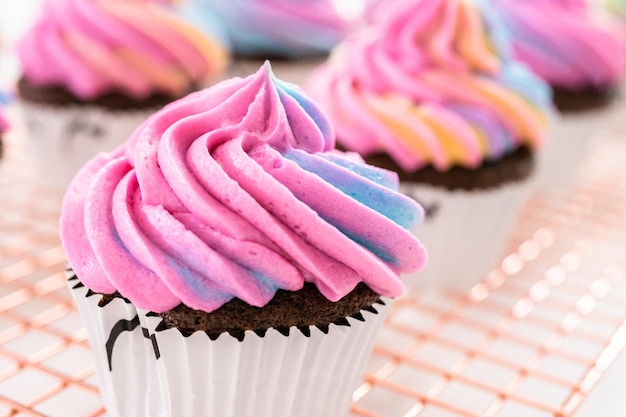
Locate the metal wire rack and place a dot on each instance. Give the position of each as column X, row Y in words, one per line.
column 533, row 339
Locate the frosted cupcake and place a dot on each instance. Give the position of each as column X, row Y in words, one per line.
column 295, row 35
column 558, row 39
column 4, row 127
column 224, row 253
column 93, row 70
column 581, row 54
column 428, row 91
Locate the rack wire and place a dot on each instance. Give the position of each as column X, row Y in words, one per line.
column 532, row 339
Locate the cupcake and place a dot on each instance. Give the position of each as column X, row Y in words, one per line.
column 558, row 39
column 226, row 253
column 93, row 70
column 581, row 54
column 295, row 35
column 4, row 126
column 428, row 90
column 617, row 8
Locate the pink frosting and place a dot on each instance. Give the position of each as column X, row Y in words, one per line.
column 426, row 84
column 565, row 42
column 134, row 46
column 232, row 192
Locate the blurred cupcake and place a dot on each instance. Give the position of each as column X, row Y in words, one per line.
column 93, row 70
column 4, row 127
column 428, row 91
column 581, row 53
column 295, row 35
column 224, row 253
column 558, row 40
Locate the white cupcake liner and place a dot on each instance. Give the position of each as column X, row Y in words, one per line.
column 129, row 382
column 569, row 139
column 61, row 139
column 465, row 232
column 618, row 122
column 261, row 376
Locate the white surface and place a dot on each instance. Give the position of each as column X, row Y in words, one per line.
column 608, row 399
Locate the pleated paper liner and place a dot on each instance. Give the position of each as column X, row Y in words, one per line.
column 300, row 372
column 63, row 139
column 570, row 140
column 464, row 231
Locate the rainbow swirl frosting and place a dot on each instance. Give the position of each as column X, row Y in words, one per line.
column 565, row 42
column 137, row 47
column 286, row 28
column 428, row 83
column 230, row 192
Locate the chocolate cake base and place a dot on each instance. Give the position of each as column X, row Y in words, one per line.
column 60, row 96
column 513, row 167
column 579, row 100
column 302, row 309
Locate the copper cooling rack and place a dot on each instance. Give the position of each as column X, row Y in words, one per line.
column 532, row 340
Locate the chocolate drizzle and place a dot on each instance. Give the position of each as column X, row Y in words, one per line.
column 120, row 327
column 128, row 326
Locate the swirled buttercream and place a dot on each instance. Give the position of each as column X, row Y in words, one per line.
column 136, row 47
column 429, row 83
column 565, row 42
column 232, row 192
column 286, row 28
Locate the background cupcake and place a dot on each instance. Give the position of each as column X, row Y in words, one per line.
column 94, row 69
column 4, row 126
column 428, row 91
column 558, row 40
column 581, row 53
column 295, row 35
column 234, row 256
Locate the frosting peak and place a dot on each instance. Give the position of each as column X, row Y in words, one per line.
column 428, row 82
column 230, row 192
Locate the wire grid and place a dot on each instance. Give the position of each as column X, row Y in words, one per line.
column 532, row 339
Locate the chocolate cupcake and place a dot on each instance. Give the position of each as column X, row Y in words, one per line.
column 558, row 40
column 93, row 70
column 429, row 90
column 226, row 252
column 4, row 126
column 581, row 53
